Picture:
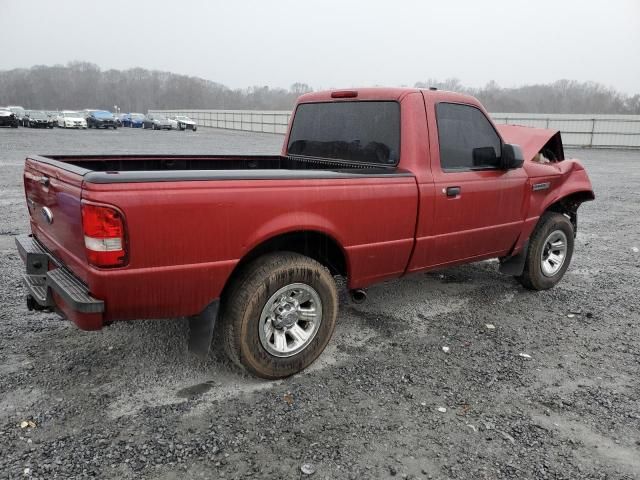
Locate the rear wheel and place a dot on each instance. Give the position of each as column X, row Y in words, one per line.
column 279, row 314
column 550, row 252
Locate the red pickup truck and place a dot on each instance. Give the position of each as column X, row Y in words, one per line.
column 371, row 184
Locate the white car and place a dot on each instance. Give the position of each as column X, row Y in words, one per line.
column 70, row 119
column 173, row 122
column 184, row 123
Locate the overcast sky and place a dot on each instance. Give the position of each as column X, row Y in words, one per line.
column 328, row 43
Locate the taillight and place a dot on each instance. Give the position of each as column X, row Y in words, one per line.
column 104, row 235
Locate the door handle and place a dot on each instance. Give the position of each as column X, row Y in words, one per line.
column 44, row 180
column 453, row 191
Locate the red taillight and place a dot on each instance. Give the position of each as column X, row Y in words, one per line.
column 104, row 235
column 344, row 94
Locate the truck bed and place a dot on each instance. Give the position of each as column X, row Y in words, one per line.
column 149, row 168
column 185, row 236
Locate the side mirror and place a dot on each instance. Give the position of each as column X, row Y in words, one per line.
column 485, row 157
column 511, row 157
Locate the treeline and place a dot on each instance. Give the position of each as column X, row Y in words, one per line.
column 80, row 85
column 562, row 96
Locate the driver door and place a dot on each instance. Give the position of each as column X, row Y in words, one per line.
column 479, row 207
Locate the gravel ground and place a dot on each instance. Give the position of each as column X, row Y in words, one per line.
column 129, row 402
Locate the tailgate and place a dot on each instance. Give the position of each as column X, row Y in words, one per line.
column 53, row 198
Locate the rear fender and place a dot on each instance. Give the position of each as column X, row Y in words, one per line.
column 290, row 223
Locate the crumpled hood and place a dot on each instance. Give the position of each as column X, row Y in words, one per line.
column 530, row 139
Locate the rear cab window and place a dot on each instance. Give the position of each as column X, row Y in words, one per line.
column 357, row 131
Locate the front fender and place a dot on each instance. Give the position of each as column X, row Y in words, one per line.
column 573, row 180
column 548, row 186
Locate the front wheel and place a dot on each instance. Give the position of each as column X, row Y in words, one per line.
column 550, row 252
column 279, row 314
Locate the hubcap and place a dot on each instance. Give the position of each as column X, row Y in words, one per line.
column 554, row 253
column 290, row 320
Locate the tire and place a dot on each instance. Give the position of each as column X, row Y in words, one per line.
column 250, row 295
column 552, row 239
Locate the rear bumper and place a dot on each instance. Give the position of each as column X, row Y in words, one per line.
column 51, row 286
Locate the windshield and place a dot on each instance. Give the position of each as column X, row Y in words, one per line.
column 137, row 116
column 38, row 115
column 102, row 114
column 72, row 115
column 182, row 117
column 356, row 131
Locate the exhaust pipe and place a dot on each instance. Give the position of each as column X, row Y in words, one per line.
column 358, row 295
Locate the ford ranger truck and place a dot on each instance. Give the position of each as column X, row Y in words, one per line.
column 372, row 184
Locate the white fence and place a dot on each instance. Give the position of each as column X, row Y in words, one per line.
column 267, row 121
column 596, row 131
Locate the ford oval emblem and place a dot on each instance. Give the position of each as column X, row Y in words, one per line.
column 47, row 214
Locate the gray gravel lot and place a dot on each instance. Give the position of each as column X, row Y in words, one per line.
column 129, row 402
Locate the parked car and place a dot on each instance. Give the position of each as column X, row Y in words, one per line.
column 119, row 118
column 18, row 111
column 37, row 119
column 156, row 121
column 133, row 120
column 71, row 119
column 101, row 119
column 185, row 123
column 8, row 118
column 386, row 182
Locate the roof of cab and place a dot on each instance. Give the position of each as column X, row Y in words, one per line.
column 386, row 93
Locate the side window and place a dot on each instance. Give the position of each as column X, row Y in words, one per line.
column 467, row 138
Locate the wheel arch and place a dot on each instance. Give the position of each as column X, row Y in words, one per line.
column 568, row 205
column 315, row 244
